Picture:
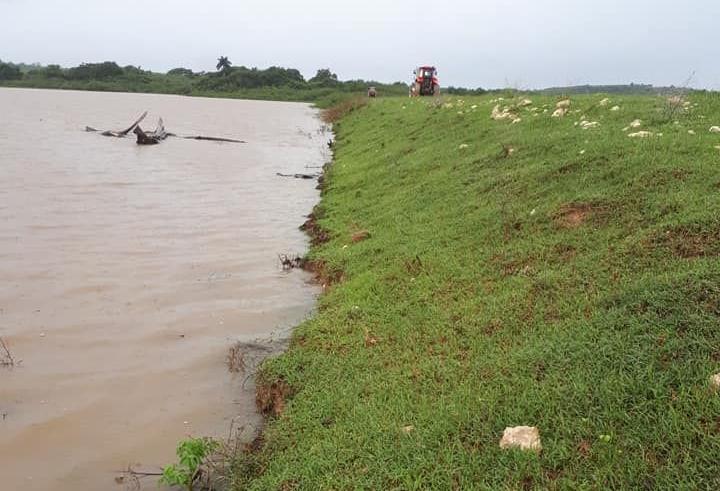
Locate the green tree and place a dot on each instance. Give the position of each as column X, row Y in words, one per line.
column 324, row 77
column 8, row 71
column 223, row 64
column 95, row 71
column 186, row 72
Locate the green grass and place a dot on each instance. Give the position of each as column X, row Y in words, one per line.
column 573, row 285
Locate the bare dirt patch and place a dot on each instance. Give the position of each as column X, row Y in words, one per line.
column 691, row 241
column 340, row 110
column 324, row 274
column 318, row 235
column 271, row 397
column 360, row 236
column 574, row 215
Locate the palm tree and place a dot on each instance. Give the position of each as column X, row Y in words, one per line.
column 223, row 64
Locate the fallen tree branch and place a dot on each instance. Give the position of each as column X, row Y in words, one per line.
column 156, row 136
column 119, row 134
column 151, row 137
column 299, row 176
column 209, row 138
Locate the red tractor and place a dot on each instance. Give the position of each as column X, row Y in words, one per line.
column 425, row 82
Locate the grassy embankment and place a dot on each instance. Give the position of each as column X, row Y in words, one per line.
column 516, row 274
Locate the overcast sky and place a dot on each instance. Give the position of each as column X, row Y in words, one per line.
column 474, row 43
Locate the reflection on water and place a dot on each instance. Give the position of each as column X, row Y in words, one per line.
column 128, row 271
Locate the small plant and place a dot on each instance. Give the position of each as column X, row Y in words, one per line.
column 236, row 358
column 191, row 455
column 6, row 357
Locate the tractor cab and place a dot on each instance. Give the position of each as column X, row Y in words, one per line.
column 425, row 82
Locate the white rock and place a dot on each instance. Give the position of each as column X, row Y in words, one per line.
column 715, row 381
column 525, row 102
column 564, row 104
column 559, row 112
column 615, row 108
column 715, row 129
column 636, row 124
column 605, row 102
column 500, row 114
column 586, row 125
column 522, row 437
column 641, row 134
column 691, row 132
column 463, row 146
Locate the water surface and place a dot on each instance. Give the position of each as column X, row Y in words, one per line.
column 127, row 272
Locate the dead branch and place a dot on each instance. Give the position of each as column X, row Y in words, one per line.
column 132, row 126
column 119, row 134
column 6, row 357
column 156, row 136
column 290, row 261
column 236, row 358
column 151, row 137
column 299, row 176
column 210, row 138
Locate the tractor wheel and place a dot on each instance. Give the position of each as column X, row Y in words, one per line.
column 436, row 90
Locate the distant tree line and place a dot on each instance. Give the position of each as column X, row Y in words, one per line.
column 108, row 75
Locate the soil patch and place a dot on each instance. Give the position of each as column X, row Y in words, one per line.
column 271, row 397
column 317, row 234
column 574, row 215
column 691, row 241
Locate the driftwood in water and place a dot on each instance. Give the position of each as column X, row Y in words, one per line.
column 119, row 134
column 209, row 138
column 156, row 136
column 151, row 137
column 299, row 176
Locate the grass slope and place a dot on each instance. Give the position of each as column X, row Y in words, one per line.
column 571, row 283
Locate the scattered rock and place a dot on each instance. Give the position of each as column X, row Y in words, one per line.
column 499, row 114
column 715, row 129
column 715, row 381
column 691, row 132
column 408, row 429
column 636, row 124
column 641, row 134
column 525, row 102
column 463, row 146
column 615, row 108
column 522, row 437
column 605, row 102
column 561, row 108
column 586, row 125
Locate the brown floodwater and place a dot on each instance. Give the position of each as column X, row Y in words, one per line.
column 127, row 272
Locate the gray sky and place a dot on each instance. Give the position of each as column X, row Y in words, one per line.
column 483, row 43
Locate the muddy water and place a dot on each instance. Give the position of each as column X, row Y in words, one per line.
column 126, row 273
